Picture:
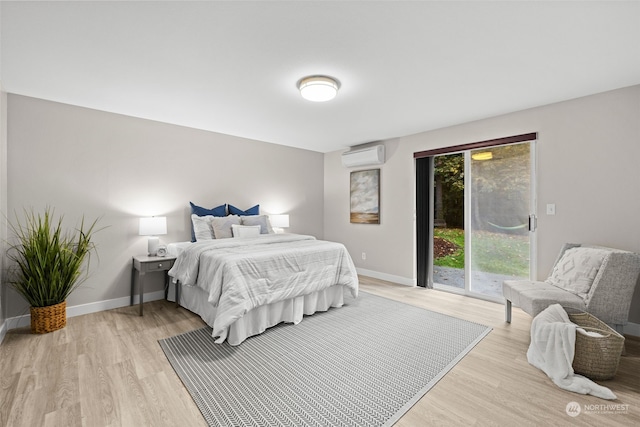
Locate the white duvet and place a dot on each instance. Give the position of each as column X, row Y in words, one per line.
column 241, row 274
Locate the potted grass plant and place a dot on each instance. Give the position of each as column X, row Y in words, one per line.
column 49, row 264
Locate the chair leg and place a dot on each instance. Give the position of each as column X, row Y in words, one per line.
column 507, row 311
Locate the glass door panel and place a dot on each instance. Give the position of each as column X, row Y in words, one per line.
column 499, row 205
column 448, row 221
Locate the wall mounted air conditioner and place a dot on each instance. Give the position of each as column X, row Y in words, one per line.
column 364, row 156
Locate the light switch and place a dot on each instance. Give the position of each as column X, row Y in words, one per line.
column 551, row 209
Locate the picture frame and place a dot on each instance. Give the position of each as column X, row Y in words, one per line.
column 365, row 196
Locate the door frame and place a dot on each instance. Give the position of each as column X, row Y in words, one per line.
column 424, row 251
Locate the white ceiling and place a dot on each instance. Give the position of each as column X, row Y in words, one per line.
column 232, row 67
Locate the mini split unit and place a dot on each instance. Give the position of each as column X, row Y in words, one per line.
column 364, row 157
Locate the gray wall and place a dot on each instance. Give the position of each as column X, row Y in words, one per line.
column 81, row 161
column 3, row 199
column 588, row 154
column 3, row 187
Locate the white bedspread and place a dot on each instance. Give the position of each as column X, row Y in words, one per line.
column 553, row 339
column 241, row 274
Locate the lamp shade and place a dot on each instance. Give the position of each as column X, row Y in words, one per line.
column 153, row 226
column 281, row 221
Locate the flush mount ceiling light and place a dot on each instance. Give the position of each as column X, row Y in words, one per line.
column 318, row 88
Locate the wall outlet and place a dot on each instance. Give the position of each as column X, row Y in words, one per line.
column 551, row 209
column 364, row 255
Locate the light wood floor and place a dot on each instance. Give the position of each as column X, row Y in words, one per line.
column 107, row 369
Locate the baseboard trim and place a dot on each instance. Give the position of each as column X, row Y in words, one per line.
column 632, row 329
column 79, row 310
column 388, row 277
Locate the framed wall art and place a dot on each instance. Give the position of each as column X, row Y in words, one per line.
column 365, row 197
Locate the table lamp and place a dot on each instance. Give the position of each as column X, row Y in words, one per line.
column 278, row 222
column 153, row 227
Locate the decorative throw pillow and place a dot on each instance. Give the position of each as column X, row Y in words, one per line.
column 201, row 226
column 255, row 210
column 261, row 220
column 200, row 211
column 577, row 269
column 222, row 226
column 245, row 230
column 217, row 211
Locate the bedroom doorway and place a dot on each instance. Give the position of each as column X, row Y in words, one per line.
column 479, row 216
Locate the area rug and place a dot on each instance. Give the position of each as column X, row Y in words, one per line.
column 364, row 364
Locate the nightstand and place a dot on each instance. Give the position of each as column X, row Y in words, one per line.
column 143, row 264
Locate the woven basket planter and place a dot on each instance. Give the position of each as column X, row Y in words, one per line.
column 48, row 319
column 595, row 357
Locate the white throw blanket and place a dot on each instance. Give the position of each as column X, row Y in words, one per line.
column 553, row 339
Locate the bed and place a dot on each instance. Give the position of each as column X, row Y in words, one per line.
column 242, row 286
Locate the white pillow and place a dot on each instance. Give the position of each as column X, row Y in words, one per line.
column 577, row 269
column 261, row 220
column 222, row 225
column 245, row 230
column 202, row 227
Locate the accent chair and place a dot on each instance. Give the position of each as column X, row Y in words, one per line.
column 595, row 279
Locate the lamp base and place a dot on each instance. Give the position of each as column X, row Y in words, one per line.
column 152, row 245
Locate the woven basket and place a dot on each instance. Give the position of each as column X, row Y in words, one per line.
column 595, row 357
column 48, row 319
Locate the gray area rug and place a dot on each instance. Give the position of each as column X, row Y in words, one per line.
column 364, row 364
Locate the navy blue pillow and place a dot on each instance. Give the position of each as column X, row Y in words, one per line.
column 255, row 210
column 200, row 211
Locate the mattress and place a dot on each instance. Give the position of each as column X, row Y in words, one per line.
column 175, row 249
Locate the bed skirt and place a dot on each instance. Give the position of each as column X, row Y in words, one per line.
column 260, row 318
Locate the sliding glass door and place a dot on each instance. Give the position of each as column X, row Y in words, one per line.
column 481, row 223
